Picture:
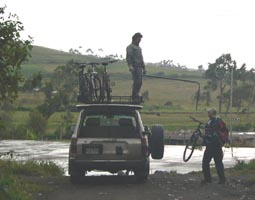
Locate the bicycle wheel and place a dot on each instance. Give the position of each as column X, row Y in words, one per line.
column 106, row 89
column 83, row 88
column 189, row 149
column 95, row 89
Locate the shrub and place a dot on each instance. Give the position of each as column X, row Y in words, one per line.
column 168, row 103
column 37, row 123
column 242, row 165
column 145, row 95
column 12, row 186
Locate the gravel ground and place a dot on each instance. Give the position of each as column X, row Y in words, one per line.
column 160, row 186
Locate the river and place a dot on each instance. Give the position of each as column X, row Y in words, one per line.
column 172, row 161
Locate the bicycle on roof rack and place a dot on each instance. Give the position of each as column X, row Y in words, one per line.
column 106, row 88
column 92, row 87
column 89, row 83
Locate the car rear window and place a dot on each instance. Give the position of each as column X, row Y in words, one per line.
column 105, row 125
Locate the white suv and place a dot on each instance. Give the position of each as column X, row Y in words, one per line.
column 111, row 137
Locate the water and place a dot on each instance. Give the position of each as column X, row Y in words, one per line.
column 172, row 161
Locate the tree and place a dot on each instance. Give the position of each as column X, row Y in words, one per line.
column 251, row 78
column 62, row 91
column 89, row 51
column 206, row 95
column 200, row 68
column 37, row 123
column 33, row 82
column 218, row 74
column 13, row 52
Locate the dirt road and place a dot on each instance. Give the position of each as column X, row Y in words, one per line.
column 160, row 186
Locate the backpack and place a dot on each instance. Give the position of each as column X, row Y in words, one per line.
column 222, row 131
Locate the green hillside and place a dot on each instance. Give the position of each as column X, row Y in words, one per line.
column 46, row 60
column 43, row 55
column 178, row 95
column 160, row 91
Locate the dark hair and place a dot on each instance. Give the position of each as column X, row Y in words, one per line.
column 137, row 35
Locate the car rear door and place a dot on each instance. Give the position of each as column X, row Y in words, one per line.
column 113, row 138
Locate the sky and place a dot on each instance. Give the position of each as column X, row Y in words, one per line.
column 189, row 32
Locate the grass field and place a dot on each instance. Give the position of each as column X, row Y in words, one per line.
column 180, row 94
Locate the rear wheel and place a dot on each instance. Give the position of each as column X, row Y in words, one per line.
column 143, row 173
column 156, row 142
column 76, row 177
column 190, row 146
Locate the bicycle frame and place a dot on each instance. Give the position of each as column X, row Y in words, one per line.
column 92, row 74
column 190, row 146
column 106, row 85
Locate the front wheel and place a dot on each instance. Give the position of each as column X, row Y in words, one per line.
column 190, row 146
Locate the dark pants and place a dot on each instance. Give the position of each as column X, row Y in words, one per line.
column 137, row 82
column 215, row 152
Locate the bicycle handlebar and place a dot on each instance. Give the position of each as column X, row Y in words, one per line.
column 108, row 62
column 81, row 65
column 195, row 120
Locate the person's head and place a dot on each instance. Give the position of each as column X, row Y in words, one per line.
column 136, row 39
column 211, row 113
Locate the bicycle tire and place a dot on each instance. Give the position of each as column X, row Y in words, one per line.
column 83, row 87
column 95, row 89
column 106, row 90
column 190, row 146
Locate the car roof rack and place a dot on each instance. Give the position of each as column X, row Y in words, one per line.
column 114, row 100
column 103, row 106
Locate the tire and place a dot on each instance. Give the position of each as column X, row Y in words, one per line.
column 83, row 88
column 76, row 175
column 189, row 148
column 106, row 90
column 143, row 173
column 76, row 178
column 156, row 142
column 95, row 89
column 108, row 93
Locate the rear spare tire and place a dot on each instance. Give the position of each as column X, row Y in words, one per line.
column 156, row 142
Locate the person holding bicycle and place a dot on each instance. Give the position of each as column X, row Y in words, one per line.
column 136, row 65
column 213, row 148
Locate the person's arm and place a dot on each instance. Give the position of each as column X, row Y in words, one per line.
column 129, row 58
column 143, row 65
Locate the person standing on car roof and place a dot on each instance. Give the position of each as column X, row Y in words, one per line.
column 136, row 65
column 213, row 148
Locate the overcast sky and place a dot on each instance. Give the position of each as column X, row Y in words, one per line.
column 190, row 32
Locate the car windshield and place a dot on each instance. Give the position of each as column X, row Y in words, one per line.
column 108, row 125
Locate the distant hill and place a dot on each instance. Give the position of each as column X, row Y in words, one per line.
column 43, row 55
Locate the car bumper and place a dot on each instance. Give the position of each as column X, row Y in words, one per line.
column 106, row 165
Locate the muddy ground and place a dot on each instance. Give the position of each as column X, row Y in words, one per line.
column 160, row 186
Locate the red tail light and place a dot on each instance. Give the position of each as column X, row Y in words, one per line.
column 145, row 146
column 73, row 147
